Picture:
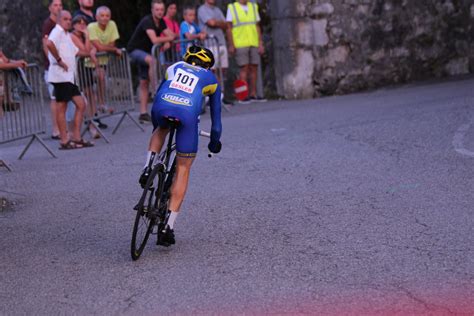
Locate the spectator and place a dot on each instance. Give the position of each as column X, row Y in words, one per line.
column 148, row 33
column 172, row 55
column 62, row 74
column 104, row 32
column 48, row 25
column 245, row 41
column 85, row 9
column 170, row 18
column 189, row 29
column 103, row 35
column 212, row 21
column 86, row 66
column 7, row 64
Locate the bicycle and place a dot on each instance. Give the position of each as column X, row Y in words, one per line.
column 152, row 208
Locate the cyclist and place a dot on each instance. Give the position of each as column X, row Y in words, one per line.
column 180, row 97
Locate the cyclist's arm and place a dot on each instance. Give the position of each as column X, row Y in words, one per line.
column 215, row 102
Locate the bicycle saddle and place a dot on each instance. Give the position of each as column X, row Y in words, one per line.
column 172, row 121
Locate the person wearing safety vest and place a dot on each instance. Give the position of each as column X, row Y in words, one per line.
column 245, row 41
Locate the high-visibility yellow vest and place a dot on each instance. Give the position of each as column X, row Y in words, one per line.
column 244, row 25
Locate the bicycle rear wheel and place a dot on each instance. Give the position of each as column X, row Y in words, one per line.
column 145, row 218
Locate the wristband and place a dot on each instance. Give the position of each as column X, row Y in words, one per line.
column 59, row 60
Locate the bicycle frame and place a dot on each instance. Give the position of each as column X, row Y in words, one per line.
column 153, row 213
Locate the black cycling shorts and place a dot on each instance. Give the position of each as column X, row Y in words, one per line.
column 65, row 91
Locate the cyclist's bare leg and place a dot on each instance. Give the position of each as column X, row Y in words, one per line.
column 156, row 142
column 157, row 139
column 180, row 183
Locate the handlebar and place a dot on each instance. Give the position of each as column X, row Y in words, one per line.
column 204, row 134
column 208, row 135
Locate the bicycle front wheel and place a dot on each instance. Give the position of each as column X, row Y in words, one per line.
column 145, row 218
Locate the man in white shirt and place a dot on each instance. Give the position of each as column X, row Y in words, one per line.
column 62, row 58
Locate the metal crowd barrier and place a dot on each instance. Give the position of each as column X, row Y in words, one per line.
column 164, row 58
column 21, row 107
column 109, row 83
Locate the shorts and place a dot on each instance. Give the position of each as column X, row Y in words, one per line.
column 221, row 55
column 50, row 86
column 138, row 56
column 187, row 134
column 247, row 56
column 65, row 91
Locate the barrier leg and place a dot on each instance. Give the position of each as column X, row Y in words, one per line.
column 133, row 120
column 35, row 136
column 5, row 165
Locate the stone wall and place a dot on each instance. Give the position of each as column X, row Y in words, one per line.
column 20, row 28
column 326, row 47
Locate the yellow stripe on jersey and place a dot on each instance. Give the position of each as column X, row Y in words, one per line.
column 210, row 89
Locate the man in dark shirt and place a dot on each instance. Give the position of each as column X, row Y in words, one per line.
column 147, row 34
column 85, row 9
column 55, row 6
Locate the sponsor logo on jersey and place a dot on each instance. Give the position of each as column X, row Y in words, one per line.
column 177, row 99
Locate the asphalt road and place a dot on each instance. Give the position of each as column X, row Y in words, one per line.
column 361, row 204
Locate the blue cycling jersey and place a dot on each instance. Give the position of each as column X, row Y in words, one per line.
column 181, row 95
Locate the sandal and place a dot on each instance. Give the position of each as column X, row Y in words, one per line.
column 56, row 137
column 70, row 145
column 83, row 143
